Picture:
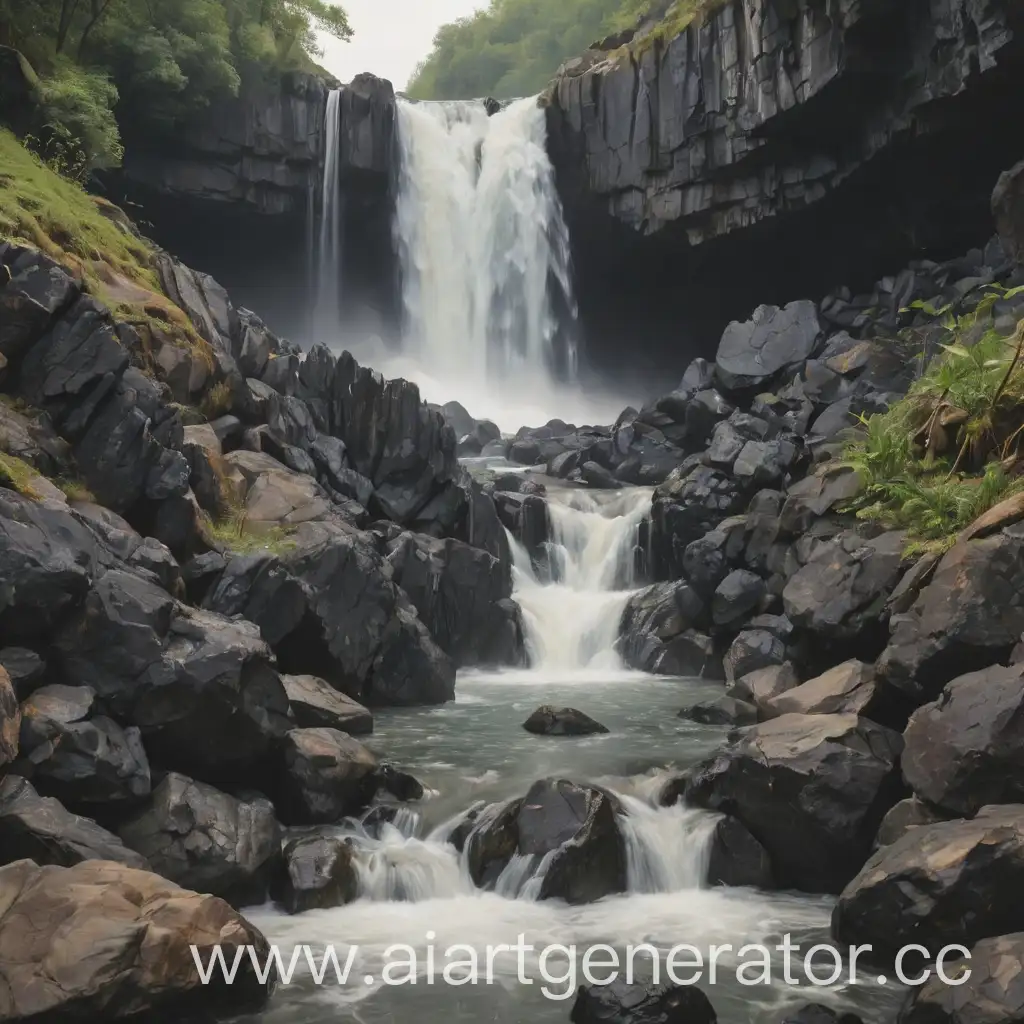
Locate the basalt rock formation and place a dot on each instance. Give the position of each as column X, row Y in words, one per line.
column 741, row 149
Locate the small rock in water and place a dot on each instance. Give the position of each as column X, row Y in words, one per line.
column 621, row 1003
column 551, row 721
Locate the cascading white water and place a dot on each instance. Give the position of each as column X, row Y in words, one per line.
column 327, row 308
column 484, row 256
column 571, row 612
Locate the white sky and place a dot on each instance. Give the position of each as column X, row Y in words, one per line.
column 390, row 36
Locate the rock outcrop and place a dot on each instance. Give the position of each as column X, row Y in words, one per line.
column 743, row 144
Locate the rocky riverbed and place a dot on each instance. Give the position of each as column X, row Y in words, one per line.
column 205, row 616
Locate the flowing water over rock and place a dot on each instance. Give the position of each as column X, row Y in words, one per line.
column 327, row 308
column 415, row 887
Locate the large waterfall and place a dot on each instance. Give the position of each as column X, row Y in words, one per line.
column 483, row 248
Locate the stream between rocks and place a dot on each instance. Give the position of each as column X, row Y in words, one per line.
column 415, row 887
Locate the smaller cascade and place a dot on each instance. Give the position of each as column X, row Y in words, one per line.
column 572, row 606
column 327, row 305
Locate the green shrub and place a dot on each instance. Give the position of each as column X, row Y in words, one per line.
column 954, row 446
column 82, row 133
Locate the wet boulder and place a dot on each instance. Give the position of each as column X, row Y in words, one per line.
column 394, row 440
column 691, row 503
column 36, row 290
column 202, row 689
column 551, row 721
column 966, row 749
column 736, row 858
column 773, row 343
column 574, row 824
column 48, row 557
column 324, row 775
column 624, row 1003
column 102, row 941
column 970, row 616
column 938, row 884
column 752, row 650
column 993, row 994
column 811, row 789
column 657, row 632
column 77, row 755
column 329, row 607
column 317, row 873
column 841, row 593
column 38, row 828
column 206, row 840
column 463, row 596
column 315, row 705
column 736, row 596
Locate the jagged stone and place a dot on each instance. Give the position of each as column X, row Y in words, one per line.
column 317, row 705
column 203, row 839
column 811, row 789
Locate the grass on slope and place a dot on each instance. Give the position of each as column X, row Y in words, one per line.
column 94, row 240
column 954, row 447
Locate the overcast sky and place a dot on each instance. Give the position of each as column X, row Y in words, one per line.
column 391, row 36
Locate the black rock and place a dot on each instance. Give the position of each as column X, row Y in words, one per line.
column 811, row 789
column 938, row 884
column 736, row 596
column 575, row 823
column 78, row 756
column 736, row 858
column 752, row 650
column 966, row 749
column 39, row 828
column 206, row 840
column 774, row 341
column 551, row 721
column 317, row 873
column 324, row 775
column 462, row 594
column 315, row 704
column 622, row 1003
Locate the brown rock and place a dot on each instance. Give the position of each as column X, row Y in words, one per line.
column 10, row 719
column 100, row 941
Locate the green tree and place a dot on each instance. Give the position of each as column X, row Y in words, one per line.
column 514, row 47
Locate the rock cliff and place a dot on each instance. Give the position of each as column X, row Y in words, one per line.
column 742, row 147
column 237, row 190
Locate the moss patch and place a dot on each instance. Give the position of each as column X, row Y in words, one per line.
column 678, row 18
column 18, row 475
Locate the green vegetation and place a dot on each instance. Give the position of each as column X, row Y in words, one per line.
column 152, row 62
column 232, row 532
column 954, row 447
column 95, row 242
column 514, row 47
column 17, row 475
column 75, row 490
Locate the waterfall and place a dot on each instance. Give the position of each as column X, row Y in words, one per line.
column 572, row 606
column 327, row 308
column 484, row 254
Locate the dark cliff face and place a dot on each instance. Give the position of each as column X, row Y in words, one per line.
column 779, row 148
column 237, row 191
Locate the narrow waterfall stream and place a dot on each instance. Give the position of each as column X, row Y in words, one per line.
column 414, row 887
